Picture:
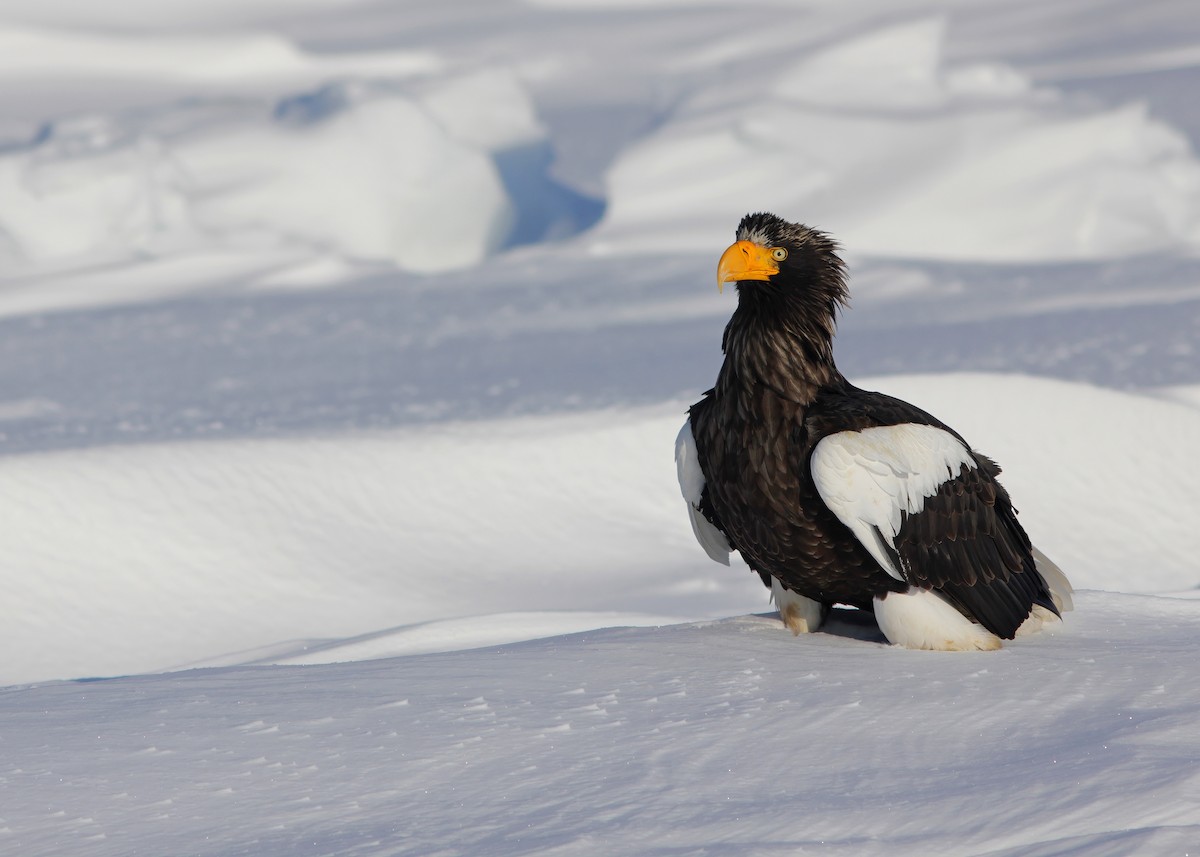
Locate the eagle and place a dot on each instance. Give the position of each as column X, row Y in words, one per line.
column 838, row 495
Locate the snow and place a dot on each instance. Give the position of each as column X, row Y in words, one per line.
column 710, row 738
column 342, row 349
column 321, row 170
column 1089, row 181
column 31, row 52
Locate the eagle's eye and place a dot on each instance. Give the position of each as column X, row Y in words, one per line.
column 778, row 253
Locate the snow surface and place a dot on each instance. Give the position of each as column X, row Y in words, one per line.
column 342, row 350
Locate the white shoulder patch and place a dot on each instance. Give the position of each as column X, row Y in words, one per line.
column 867, row 478
column 691, row 483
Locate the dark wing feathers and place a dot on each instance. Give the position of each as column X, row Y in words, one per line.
column 874, row 510
column 758, row 493
column 967, row 543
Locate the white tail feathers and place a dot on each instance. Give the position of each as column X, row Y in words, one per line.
column 922, row 619
column 1060, row 588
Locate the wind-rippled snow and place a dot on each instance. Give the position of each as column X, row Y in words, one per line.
column 342, row 351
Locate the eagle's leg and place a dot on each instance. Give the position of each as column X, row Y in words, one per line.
column 801, row 615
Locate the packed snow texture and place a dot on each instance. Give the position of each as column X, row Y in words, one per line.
column 978, row 141
column 729, row 737
column 342, row 350
column 330, row 537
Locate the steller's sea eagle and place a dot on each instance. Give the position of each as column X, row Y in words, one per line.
column 837, row 495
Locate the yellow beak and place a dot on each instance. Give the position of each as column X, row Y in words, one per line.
column 745, row 260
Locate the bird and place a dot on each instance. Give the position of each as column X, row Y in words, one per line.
column 837, row 495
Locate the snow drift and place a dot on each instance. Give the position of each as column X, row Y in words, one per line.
column 332, row 537
column 342, row 346
column 722, row 738
column 979, row 141
column 428, row 175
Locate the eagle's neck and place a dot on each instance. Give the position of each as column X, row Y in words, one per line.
column 771, row 344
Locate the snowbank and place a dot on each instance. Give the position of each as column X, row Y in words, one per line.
column 160, row 15
column 877, row 138
column 358, row 171
column 132, row 559
column 181, row 553
column 728, row 738
column 379, row 160
column 193, row 151
column 235, row 60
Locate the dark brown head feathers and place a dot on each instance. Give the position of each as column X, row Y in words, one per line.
column 784, row 326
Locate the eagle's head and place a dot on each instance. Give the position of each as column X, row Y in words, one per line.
column 791, row 283
column 772, row 257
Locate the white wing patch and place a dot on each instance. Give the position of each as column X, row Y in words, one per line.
column 691, row 483
column 867, row 478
